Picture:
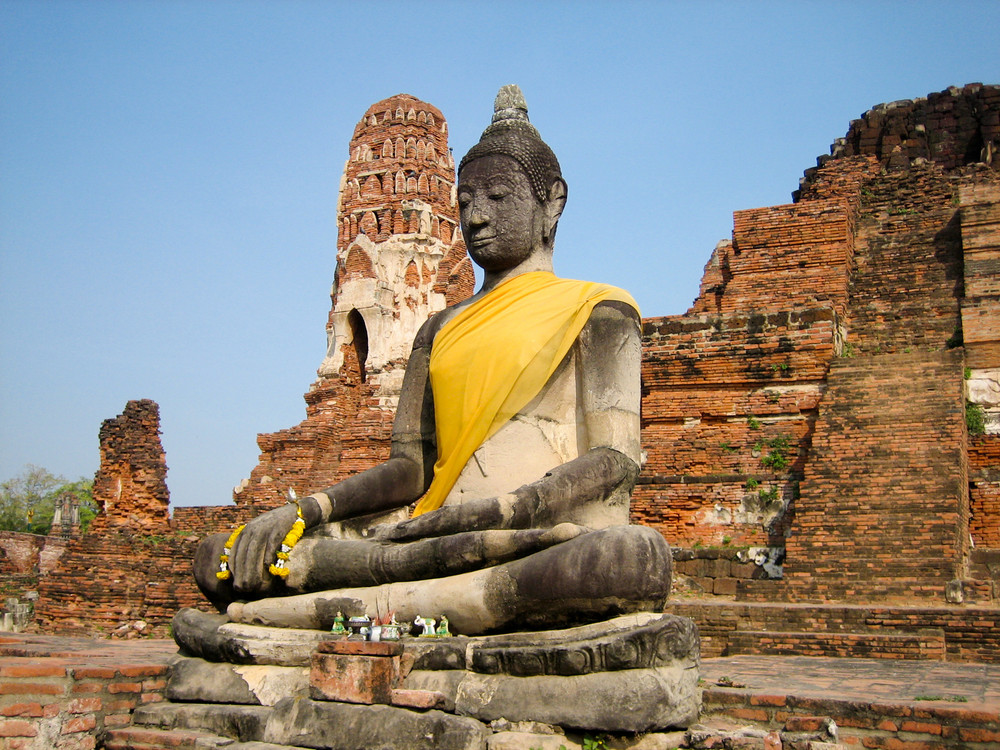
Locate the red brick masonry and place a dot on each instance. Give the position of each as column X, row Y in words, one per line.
column 59, row 693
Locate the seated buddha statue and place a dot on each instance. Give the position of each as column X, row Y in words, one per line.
column 516, row 437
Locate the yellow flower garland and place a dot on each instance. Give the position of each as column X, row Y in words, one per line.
column 280, row 566
column 224, row 572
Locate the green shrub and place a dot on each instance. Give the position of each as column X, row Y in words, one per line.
column 975, row 418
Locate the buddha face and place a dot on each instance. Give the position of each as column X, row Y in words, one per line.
column 503, row 222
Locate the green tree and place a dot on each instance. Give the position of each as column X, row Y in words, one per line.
column 28, row 500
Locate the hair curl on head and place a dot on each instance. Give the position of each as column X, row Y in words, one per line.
column 512, row 134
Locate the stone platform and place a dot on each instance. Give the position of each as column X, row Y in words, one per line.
column 874, row 702
column 299, row 688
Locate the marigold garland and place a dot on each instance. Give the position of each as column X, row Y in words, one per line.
column 224, row 572
column 280, row 566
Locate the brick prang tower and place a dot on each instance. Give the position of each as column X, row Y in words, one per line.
column 400, row 257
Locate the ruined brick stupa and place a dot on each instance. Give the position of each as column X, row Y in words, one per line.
column 400, row 257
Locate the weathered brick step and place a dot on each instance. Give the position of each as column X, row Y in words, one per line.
column 144, row 738
column 237, row 722
column 923, row 646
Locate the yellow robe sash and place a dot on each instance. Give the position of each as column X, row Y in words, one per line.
column 490, row 360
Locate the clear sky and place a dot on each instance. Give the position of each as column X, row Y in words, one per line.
column 169, row 172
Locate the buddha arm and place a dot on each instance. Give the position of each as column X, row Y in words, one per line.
column 406, row 474
column 593, row 489
column 395, row 483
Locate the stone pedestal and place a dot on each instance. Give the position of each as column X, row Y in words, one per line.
column 629, row 676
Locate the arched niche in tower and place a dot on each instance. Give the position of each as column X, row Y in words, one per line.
column 359, row 340
column 357, row 263
column 368, row 225
column 372, row 187
column 412, row 275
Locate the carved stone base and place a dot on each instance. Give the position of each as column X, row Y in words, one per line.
column 636, row 673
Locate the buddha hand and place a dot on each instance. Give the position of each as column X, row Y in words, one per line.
column 256, row 548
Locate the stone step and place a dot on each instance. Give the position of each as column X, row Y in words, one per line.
column 347, row 726
column 144, row 738
column 922, row 646
column 195, row 680
column 237, row 722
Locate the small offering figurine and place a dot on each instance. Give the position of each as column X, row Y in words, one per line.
column 442, row 628
column 360, row 628
column 338, row 624
column 427, row 623
column 391, row 630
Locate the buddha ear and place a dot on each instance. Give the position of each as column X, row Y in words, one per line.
column 555, row 204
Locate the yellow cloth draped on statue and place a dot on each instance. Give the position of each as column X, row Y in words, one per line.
column 494, row 357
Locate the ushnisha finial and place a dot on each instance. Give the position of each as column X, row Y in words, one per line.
column 510, row 104
column 510, row 111
column 511, row 134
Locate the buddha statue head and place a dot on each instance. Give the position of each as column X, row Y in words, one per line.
column 510, row 188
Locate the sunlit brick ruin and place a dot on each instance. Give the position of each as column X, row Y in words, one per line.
column 400, row 257
column 128, row 574
column 822, row 427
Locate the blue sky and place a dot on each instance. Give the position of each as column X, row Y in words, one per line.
column 169, row 172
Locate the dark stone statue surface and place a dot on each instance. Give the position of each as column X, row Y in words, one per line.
column 530, row 530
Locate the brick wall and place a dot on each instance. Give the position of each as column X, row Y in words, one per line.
column 132, row 565
column 949, row 127
column 970, row 634
column 894, row 726
column 980, row 226
column 720, row 394
column 874, row 258
column 108, row 582
column 21, row 551
column 883, row 500
column 907, row 283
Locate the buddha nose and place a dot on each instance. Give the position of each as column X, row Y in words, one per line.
column 479, row 208
column 478, row 217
